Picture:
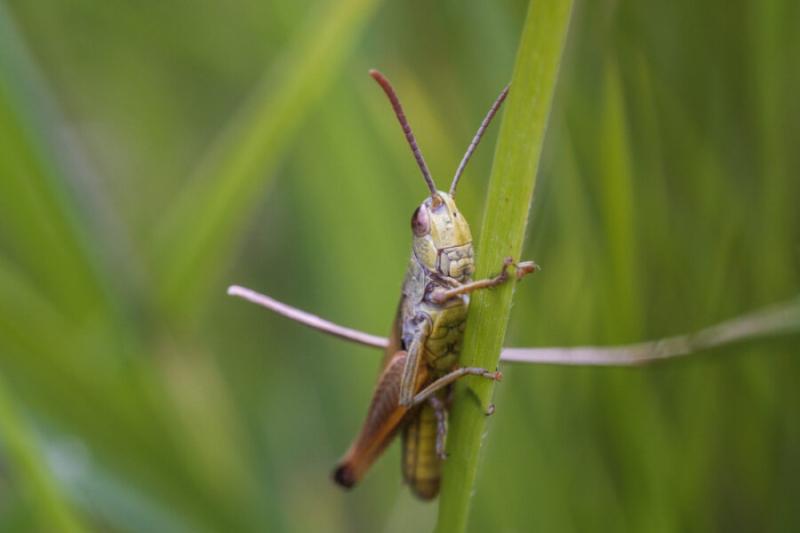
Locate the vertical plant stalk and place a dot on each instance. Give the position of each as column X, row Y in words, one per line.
column 508, row 203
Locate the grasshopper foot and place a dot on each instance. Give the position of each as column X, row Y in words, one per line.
column 494, row 376
column 526, row 267
column 522, row 269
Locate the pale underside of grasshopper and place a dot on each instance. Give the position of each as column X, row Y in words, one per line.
column 421, row 353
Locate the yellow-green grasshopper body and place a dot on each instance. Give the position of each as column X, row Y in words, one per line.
column 420, row 361
column 426, row 343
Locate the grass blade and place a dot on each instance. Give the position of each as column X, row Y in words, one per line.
column 509, row 198
column 779, row 319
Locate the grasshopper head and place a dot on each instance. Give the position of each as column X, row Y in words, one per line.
column 442, row 240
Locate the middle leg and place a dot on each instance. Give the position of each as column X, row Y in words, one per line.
column 451, row 377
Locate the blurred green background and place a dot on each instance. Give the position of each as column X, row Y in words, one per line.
column 153, row 153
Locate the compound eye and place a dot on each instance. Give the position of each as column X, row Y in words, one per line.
column 420, row 223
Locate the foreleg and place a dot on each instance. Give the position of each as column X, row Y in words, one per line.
column 522, row 269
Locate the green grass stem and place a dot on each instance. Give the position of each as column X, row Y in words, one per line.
column 508, row 203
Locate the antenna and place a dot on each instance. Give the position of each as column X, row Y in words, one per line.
column 475, row 140
column 401, row 117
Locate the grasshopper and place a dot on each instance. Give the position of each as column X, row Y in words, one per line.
column 420, row 361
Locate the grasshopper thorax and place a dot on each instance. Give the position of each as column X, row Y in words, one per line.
column 442, row 239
